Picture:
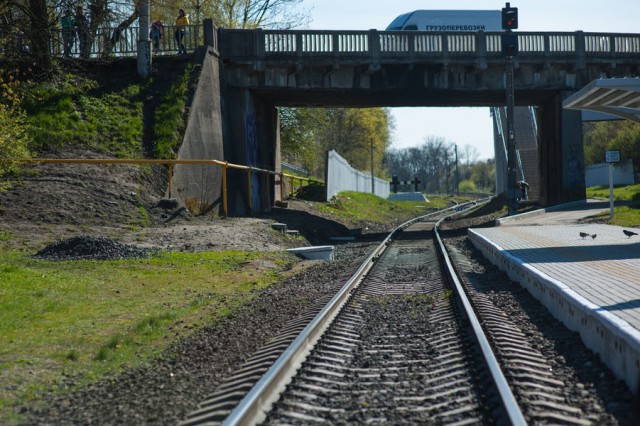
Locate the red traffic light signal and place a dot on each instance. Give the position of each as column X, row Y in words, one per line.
column 509, row 17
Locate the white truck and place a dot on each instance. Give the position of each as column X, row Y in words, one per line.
column 448, row 20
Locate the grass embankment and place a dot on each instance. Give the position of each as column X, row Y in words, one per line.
column 359, row 206
column 106, row 110
column 85, row 319
column 628, row 215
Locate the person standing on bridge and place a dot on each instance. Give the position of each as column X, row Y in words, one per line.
column 82, row 26
column 68, row 23
column 181, row 24
column 156, row 33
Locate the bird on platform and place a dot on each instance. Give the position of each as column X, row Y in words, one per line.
column 629, row 234
column 584, row 235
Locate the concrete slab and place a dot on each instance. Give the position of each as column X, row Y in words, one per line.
column 314, row 253
column 590, row 284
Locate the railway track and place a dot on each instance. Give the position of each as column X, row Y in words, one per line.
column 394, row 346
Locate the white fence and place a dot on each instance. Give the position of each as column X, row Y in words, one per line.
column 342, row 177
column 598, row 174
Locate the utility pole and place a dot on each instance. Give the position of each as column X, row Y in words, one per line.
column 457, row 174
column 373, row 181
column 144, row 44
column 510, row 49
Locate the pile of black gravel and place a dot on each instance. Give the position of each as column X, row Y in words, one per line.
column 86, row 247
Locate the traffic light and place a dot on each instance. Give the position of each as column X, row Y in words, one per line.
column 509, row 17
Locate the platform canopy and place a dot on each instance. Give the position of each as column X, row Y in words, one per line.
column 615, row 96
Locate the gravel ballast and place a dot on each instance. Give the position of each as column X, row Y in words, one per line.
column 86, row 247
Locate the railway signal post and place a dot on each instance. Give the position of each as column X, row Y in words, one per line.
column 510, row 49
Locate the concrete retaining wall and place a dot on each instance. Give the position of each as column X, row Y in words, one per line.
column 614, row 340
column 598, row 174
column 340, row 176
column 199, row 187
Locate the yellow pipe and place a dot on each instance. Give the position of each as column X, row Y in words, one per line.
column 267, row 176
column 170, row 178
column 171, row 162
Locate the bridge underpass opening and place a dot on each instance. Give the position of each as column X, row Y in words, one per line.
column 475, row 133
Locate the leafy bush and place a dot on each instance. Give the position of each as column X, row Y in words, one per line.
column 14, row 132
column 467, row 185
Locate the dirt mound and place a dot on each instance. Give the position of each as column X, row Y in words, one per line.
column 93, row 248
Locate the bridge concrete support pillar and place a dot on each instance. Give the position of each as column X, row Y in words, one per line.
column 499, row 147
column 561, row 155
column 199, row 186
column 253, row 140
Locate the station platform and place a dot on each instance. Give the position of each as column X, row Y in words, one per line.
column 591, row 283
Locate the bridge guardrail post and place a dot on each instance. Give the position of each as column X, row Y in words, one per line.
column 209, row 33
column 445, row 46
column 258, row 44
column 581, row 54
column 412, row 45
column 481, row 49
column 299, row 45
column 374, row 46
column 335, row 45
column 547, row 49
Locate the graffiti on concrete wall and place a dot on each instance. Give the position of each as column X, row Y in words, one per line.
column 252, row 139
column 251, row 129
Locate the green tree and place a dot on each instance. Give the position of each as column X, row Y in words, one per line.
column 297, row 141
column 483, row 174
column 611, row 135
column 349, row 131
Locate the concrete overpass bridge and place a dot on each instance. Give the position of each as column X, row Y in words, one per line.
column 254, row 71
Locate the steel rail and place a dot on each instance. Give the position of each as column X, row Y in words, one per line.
column 254, row 406
column 508, row 400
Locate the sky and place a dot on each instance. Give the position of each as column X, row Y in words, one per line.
column 414, row 124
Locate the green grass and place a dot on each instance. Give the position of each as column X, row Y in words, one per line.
column 169, row 122
column 628, row 216
column 358, row 206
column 66, row 115
column 620, row 192
column 78, row 111
column 85, row 319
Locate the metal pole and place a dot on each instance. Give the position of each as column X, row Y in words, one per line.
column 373, row 182
column 511, row 142
column 144, row 44
column 224, row 190
column 457, row 173
column 611, row 213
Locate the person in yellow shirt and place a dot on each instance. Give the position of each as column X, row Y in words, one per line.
column 181, row 23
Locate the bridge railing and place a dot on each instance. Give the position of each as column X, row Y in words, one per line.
column 410, row 45
column 122, row 41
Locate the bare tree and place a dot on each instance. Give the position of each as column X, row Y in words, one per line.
column 280, row 14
